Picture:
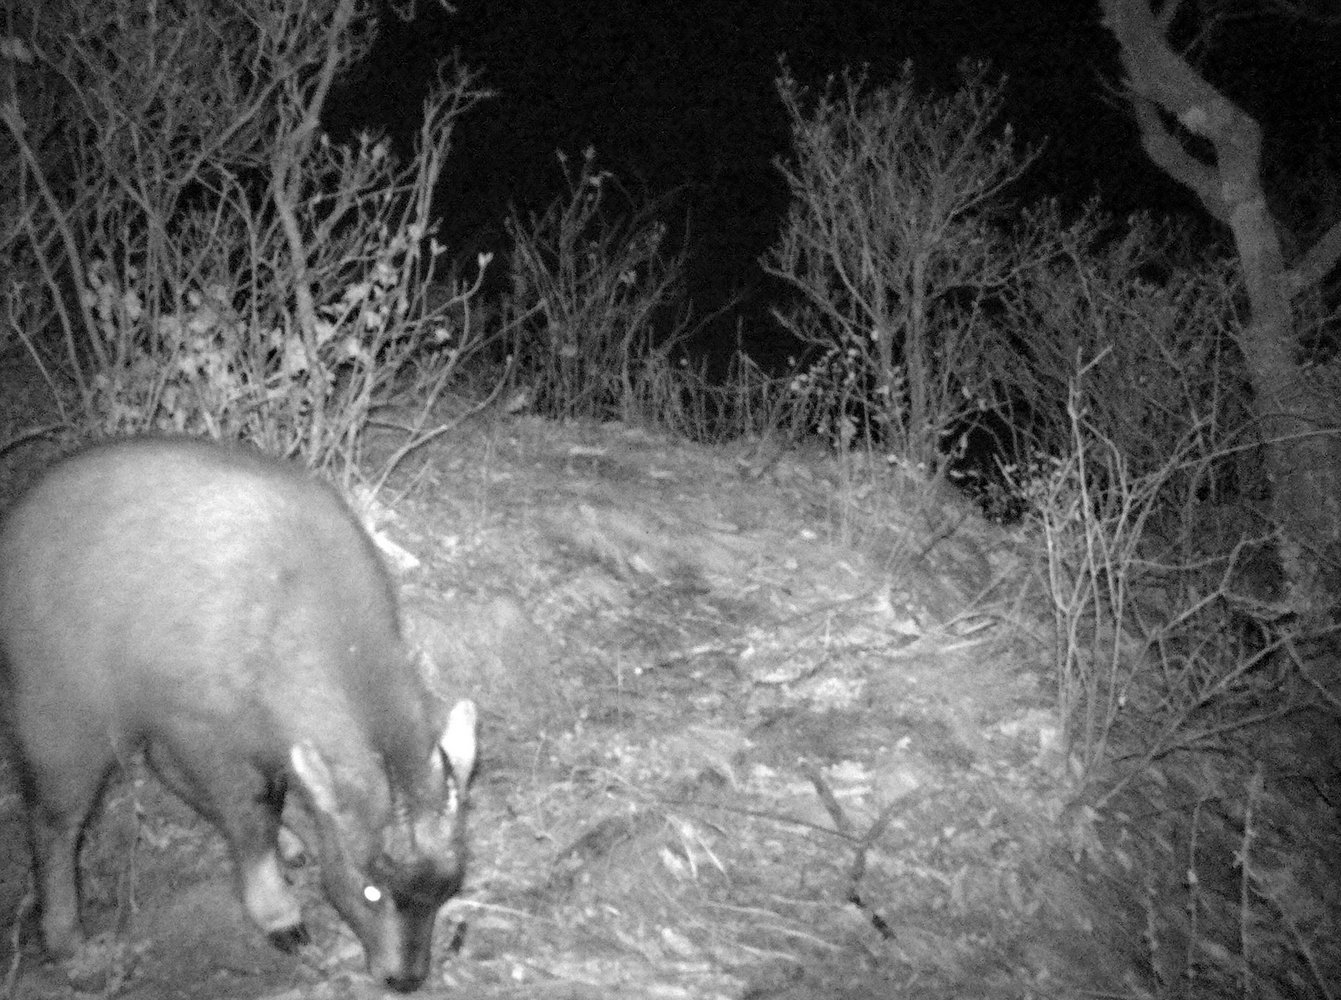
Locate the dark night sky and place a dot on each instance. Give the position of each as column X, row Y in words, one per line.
column 681, row 94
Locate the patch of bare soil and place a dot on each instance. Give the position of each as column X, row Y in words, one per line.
column 728, row 751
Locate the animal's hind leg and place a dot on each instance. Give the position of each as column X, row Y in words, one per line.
column 245, row 806
column 55, row 846
column 60, row 797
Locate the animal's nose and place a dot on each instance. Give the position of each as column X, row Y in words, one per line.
column 404, row 984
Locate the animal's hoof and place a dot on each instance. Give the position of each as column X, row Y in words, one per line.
column 289, row 939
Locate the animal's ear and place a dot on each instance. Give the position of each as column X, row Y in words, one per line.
column 311, row 771
column 458, row 741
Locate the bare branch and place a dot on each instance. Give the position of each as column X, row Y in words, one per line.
column 1318, row 262
column 1165, row 81
column 1172, row 156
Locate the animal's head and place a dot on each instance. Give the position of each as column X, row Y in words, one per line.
column 390, row 858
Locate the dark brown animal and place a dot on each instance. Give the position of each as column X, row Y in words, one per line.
column 226, row 614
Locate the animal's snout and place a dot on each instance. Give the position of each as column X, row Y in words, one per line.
column 404, row 974
column 404, row 984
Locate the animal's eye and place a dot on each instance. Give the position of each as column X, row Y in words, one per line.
column 372, row 895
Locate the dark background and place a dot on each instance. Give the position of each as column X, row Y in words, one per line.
column 680, row 96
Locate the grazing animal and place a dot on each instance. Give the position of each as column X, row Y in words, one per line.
column 227, row 615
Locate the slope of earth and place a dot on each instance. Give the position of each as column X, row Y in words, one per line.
column 748, row 731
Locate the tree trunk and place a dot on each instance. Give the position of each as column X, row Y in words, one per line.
column 1297, row 420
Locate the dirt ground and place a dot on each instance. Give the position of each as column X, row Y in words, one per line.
column 732, row 747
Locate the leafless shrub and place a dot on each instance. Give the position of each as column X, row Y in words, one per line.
column 596, row 305
column 1150, row 323
column 895, row 242
column 1154, row 649
column 197, row 255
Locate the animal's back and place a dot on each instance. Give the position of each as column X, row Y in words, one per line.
column 160, row 583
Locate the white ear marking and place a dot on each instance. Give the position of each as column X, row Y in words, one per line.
column 458, row 741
